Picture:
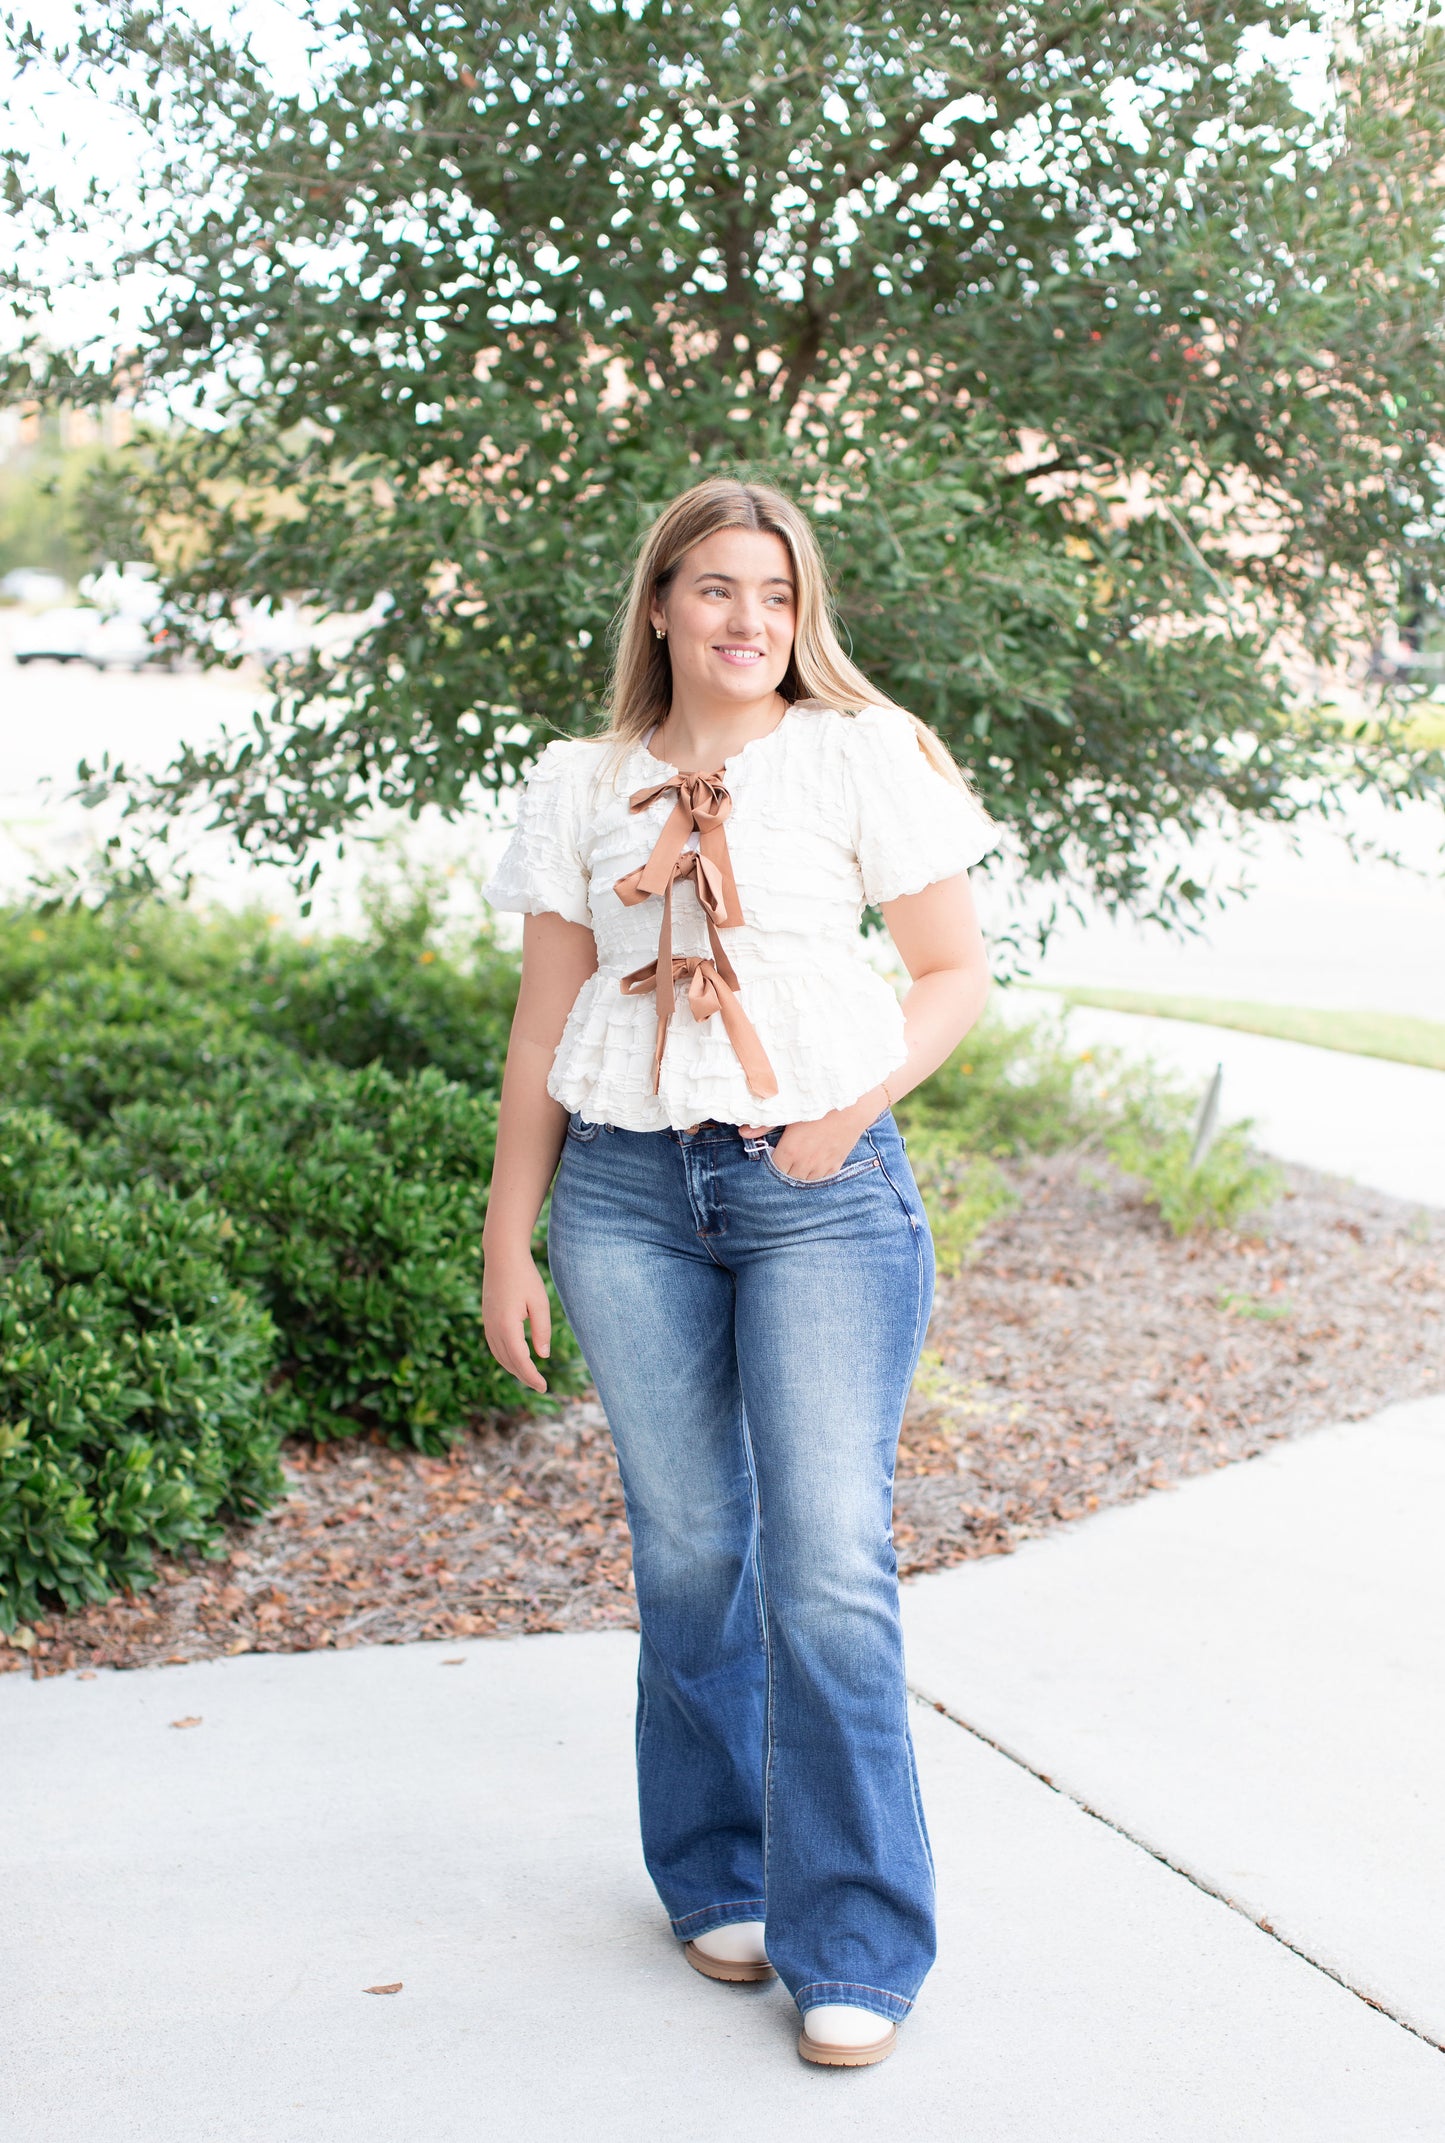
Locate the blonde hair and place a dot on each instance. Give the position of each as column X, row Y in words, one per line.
column 819, row 673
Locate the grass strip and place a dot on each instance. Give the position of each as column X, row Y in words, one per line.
column 1363, row 1034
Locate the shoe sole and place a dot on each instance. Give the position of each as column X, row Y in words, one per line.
column 846, row 2057
column 735, row 1974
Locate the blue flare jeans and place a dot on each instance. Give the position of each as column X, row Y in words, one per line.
column 752, row 1338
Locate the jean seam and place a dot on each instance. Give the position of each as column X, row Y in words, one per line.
column 760, row 1593
column 642, row 1711
column 761, row 1586
column 761, row 1601
column 758, row 1596
column 897, row 1192
column 915, row 1794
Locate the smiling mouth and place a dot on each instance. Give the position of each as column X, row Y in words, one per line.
column 739, row 654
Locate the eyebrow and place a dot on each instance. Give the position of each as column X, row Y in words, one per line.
column 774, row 580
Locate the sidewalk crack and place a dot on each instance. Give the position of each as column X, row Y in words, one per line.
column 1197, row 1882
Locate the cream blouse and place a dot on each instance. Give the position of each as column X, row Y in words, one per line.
column 758, row 872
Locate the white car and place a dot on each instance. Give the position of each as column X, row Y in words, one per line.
column 106, row 640
column 121, row 642
column 61, row 635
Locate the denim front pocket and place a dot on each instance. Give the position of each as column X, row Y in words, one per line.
column 859, row 1162
column 579, row 1129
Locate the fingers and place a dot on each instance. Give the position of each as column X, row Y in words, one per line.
column 507, row 1342
column 523, row 1368
column 539, row 1315
column 514, row 1295
column 804, row 1162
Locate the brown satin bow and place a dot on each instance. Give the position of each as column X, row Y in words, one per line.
column 703, row 802
column 711, row 987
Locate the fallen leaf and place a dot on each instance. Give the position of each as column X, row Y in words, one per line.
column 394, row 1987
column 86, row 1676
column 185, row 1722
column 453, row 1662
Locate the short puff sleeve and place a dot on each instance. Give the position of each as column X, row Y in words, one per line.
column 911, row 824
column 541, row 868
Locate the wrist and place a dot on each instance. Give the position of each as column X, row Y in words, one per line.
column 506, row 1240
column 871, row 1104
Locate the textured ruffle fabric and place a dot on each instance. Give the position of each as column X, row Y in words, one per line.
column 829, row 811
column 541, row 871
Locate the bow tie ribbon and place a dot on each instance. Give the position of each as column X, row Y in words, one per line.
column 702, row 802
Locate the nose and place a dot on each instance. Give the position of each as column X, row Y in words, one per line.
column 745, row 620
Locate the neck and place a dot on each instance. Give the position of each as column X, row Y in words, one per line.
column 700, row 734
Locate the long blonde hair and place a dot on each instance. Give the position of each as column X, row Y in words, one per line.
column 819, row 673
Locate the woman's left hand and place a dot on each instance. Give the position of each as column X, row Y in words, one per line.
column 821, row 1146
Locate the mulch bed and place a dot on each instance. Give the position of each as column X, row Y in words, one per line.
column 1082, row 1358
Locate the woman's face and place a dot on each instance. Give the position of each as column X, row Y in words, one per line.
column 729, row 613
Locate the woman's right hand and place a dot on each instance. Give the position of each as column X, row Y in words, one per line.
column 514, row 1295
column 557, row 958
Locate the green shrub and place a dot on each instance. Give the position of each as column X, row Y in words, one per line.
column 1023, row 1087
column 1223, row 1189
column 188, row 953
column 357, row 1201
column 36, row 947
column 94, row 1041
column 262, row 1176
column 392, row 998
column 132, row 1373
column 1011, row 1087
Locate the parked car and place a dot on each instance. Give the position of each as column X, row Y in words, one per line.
column 60, row 635
column 122, row 642
column 106, row 640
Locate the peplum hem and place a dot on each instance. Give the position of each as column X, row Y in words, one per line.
column 828, row 1037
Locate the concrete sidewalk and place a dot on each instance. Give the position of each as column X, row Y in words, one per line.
column 1244, row 1675
column 194, row 1913
column 1378, row 1123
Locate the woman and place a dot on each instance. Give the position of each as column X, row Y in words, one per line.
column 735, row 1232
